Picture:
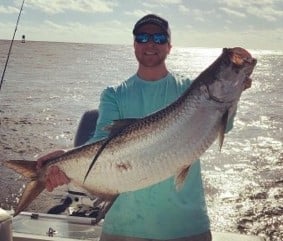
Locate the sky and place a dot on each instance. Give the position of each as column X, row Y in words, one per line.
column 254, row 24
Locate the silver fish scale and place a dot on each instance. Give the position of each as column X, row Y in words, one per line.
column 155, row 154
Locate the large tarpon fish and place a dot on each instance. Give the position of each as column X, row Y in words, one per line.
column 142, row 152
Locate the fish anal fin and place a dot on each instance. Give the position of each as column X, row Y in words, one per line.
column 104, row 205
column 181, row 176
column 32, row 190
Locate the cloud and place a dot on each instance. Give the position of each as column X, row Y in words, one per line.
column 138, row 13
column 265, row 9
column 183, row 9
column 169, row 1
column 268, row 13
column 60, row 6
column 245, row 3
column 55, row 26
column 233, row 12
column 8, row 10
column 215, row 23
column 150, row 5
column 200, row 15
column 249, row 38
column 164, row 3
column 111, row 32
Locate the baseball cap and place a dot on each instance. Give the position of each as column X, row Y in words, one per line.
column 152, row 19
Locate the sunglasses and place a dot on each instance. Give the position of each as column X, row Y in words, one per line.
column 158, row 38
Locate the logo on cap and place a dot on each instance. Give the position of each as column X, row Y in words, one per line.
column 152, row 19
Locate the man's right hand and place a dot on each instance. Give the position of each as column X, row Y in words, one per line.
column 54, row 176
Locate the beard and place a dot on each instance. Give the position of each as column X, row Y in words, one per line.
column 150, row 60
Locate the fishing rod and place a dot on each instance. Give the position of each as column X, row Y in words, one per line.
column 9, row 53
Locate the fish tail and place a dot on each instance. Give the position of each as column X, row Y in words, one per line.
column 32, row 190
column 34, row 187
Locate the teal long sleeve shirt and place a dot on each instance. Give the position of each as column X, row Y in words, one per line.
column 159, row 211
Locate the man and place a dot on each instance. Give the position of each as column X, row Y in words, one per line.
column 158, row 212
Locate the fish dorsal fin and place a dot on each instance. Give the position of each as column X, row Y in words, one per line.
column 118, row 125
column 115, row 128
column 223, row 126
column 181, row 176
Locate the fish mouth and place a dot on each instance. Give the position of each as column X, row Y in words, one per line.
column 240, row 57
column 243, row 59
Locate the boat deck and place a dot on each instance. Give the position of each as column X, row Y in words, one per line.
column 46, row 227
column 216, row 236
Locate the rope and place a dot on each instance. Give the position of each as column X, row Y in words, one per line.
column 9, row 53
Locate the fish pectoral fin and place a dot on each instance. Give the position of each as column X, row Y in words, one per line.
column 103, row 205
column 222, row 129
column 115, row 129
column 181, row 176
column 33, row 189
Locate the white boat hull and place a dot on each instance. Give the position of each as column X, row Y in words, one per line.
column 38, row 227
column 44, row 227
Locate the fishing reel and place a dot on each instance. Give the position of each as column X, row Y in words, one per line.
column 76, row 204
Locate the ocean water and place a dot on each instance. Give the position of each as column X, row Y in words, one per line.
column 49, row 85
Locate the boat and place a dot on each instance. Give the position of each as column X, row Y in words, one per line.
column 45, row 227
column 23, row 39
column 29, row 226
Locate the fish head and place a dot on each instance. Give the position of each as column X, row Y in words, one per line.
column 234, row 69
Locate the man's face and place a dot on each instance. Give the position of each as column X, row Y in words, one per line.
column 151, row 54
